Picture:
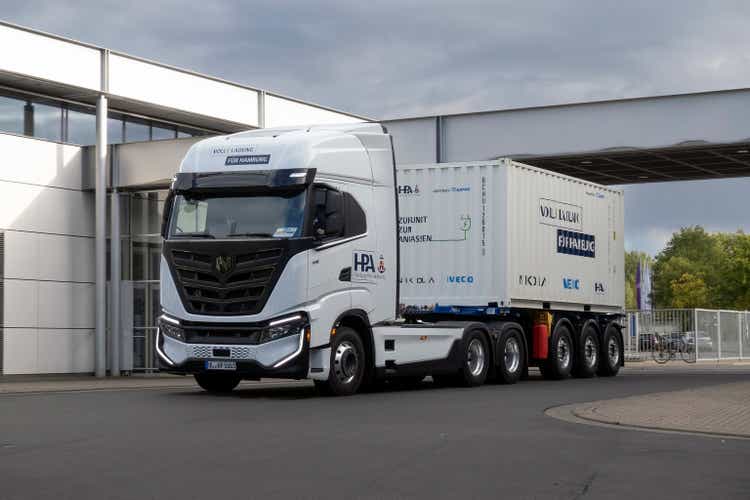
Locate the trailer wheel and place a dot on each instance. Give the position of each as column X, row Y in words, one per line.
column 347, row 364
column 217, row 383
column 611, row 352
column 510, row 357
column 588, row 353
column 560, row 358
column 476, row 363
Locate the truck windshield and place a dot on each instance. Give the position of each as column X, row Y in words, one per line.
column 238, row 216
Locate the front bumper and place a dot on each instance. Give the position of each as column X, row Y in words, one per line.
column 287, row 357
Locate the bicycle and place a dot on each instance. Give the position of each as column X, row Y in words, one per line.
column 666, row 347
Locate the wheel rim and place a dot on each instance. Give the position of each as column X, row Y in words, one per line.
column 563, row 352
column 613, row 352
column 590, row 352
column 346, row 362
column 475, row 357
column 512, row 355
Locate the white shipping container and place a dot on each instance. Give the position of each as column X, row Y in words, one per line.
column 501, row 232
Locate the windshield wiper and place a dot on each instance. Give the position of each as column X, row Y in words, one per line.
column 251, row 235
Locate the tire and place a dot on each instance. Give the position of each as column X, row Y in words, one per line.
column 611, row 352
column 511, row 357
column 688, row 354
column 476, row 360
column 660, row 354
column 587, row 353
column 347, row 368
column 217, row 383
column 560, row 360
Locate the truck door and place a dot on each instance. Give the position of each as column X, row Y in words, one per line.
column 330, row 261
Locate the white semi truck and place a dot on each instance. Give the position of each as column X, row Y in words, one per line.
column 306, row 253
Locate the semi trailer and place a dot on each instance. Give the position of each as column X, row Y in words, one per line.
column 306, row 253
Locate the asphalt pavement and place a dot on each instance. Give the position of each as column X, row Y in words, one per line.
column 283, row 441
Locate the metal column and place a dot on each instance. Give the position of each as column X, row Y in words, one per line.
column 100, row 227
column 114, row 276
column 100, row 207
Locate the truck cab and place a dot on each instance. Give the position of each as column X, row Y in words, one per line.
column 274, row 241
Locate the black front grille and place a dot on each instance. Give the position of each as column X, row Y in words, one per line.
column 240, row 290
column 225, row 278
column 216, row 334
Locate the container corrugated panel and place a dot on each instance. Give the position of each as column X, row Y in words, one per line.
column 473, row 234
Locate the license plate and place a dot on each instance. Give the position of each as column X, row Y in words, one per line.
column 221, row 365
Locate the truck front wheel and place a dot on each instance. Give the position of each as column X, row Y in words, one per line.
column 217, row 382
column 347, row 364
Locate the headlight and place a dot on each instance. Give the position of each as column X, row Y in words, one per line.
column 283, row 327
column 171, row 328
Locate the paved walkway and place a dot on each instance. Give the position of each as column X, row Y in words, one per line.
column 31, row 384
column 722, row 409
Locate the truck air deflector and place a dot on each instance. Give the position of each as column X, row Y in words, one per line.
column 233, row 181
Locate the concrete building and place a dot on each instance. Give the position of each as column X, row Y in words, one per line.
column 89, row 139
column 51, row 90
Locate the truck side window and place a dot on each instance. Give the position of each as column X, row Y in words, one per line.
column 336, row 214
column 355, row 220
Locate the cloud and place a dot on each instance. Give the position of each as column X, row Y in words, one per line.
column 395, row 58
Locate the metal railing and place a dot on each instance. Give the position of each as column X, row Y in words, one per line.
column 710, row 334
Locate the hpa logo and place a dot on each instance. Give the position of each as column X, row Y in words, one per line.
column 408, row 190
column 364, row 262
column 571, row 283
column 366, row 268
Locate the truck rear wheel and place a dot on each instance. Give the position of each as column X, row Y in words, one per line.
column 587, row 358
column 476, row 363
column 560, row 357
column 511, row 357
column 217, row 382
column 347, row 367
column 611, row 352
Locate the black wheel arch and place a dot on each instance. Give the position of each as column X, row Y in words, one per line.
column 359, row 321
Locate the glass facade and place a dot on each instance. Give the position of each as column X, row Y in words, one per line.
column 47, row 118
column 141, row 254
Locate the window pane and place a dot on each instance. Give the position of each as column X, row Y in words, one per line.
column 81, row 128
column 146, row 256
column 47, row 120
column 135, row 131
column 159, row 133
column 182, row 134
column 11, row 115
column 146, row 211
column 139, row 305
column 114, row 130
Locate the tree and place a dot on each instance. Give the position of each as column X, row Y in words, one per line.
column 690, row 251
column 700, row 269
column 689, row 291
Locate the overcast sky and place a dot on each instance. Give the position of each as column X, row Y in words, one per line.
column 387, row 59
